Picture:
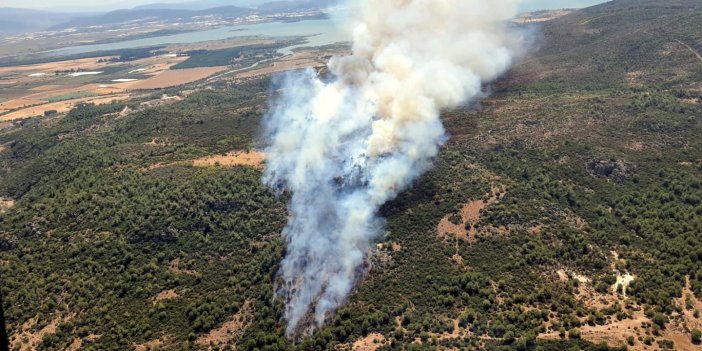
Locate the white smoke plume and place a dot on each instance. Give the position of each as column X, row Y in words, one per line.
column 345, row 147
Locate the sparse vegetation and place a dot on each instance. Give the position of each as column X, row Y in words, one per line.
column 597, row 175
column 241, row 56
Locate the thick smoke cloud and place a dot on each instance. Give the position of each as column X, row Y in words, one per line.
column 344, row 148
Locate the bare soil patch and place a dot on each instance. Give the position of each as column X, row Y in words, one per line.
column 371, row 342
column 470, row 216
column 149, row 345
column 77, row 343
column 61, row 106
column 678, row 330
column 235, row 158
column 172, row 78
column 166, row 295
column 616, row 333
column 20, row 103
column 6, row 204
column 88, row 64
column 29, row 339
column 230, row 331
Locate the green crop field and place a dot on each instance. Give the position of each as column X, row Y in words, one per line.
column 77, row 95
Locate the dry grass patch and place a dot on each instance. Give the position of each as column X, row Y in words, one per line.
column 77, row 343
column 88, row 64
column 61, row 106
column 165, row 295
column 371, row 342
column 29, row 338
column 20, row 103
column 172, row 78
column 6, row 204
column 235, row 158
column 230, row 331
column 678, row 330
column 149, row 345
column 469, row 217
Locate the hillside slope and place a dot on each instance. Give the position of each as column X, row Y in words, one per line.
column 14, row 20
column 564, row 213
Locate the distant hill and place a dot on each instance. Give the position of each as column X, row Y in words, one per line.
column 164, row 14
column 200, row 5
column 258, row 4
column 14, row 20
column 296, row 5
column 166, row 11
column 620, row 40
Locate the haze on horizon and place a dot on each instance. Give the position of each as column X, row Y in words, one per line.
column 89, row 5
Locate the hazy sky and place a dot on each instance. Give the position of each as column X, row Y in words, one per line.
column 73, row 5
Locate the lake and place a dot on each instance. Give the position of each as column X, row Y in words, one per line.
column 318, row 32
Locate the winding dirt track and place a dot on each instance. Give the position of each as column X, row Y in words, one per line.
column 699, row 56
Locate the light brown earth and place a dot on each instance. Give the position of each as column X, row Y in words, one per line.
column 230, row 159
column 678, row 328
column 371, row 342
column 150, row 345
column 235, row 158
column 165, row 295
column 6, row 204
column 470, row 216
column 61, row 106
column 615, row 332
column 297, row 60
column 230, row 331
column 172, row 78
column 88, row 64
column 44, row 94
column 77, row 343
column 29, row 100
column 27, row 339
column 19, row 103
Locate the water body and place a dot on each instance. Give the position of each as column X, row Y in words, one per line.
column 318, row 33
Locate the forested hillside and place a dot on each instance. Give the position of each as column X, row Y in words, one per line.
column 564, row 213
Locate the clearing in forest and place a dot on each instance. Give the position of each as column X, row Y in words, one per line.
column 230, row 331
column 234, row 158
column 469, row 217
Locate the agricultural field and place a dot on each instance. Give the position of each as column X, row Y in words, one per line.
column 33, row 90
column 564, row 212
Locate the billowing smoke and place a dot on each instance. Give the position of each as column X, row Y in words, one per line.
column 345, row 146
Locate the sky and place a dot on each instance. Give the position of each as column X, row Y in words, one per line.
column 102, row 5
